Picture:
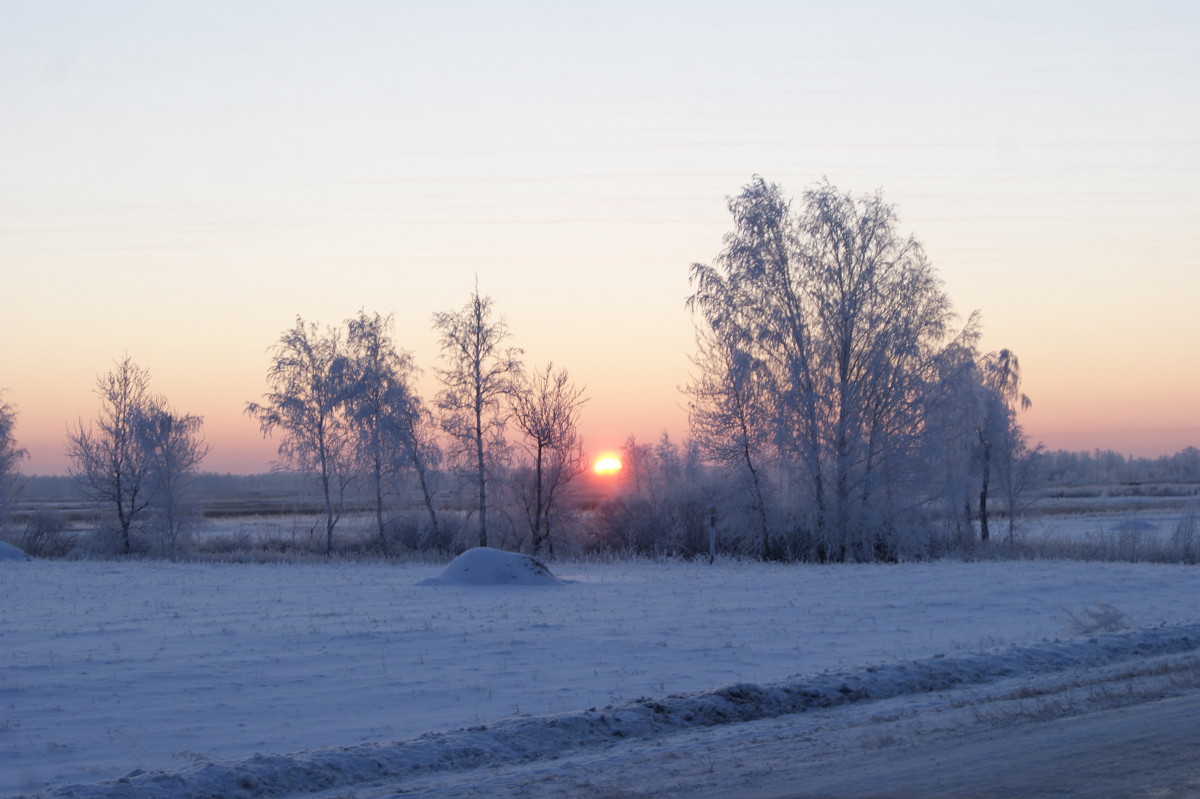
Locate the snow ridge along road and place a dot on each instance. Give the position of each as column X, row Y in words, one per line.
column 525, row 739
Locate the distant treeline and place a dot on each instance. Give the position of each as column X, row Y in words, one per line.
column 1105, row 467
column 1057, row 468
column 207, row 484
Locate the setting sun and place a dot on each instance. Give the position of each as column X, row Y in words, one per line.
column 607, row 465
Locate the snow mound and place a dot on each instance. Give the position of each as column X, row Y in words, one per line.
column 530, row 738
column 487, row 566
column 9, row 552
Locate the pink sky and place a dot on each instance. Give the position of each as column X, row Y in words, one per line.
column 180, row 183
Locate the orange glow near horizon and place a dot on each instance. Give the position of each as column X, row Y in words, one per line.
column 607, row 465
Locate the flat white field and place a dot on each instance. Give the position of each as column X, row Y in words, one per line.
column 107, row 668
column 1122, row 529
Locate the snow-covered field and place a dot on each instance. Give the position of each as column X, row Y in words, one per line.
column 1128, row 536
column 111, row 669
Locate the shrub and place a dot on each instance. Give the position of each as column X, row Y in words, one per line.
column 46, row 535
column 1185, row 540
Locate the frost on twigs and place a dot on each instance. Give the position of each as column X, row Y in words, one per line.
column 487, row 566
column 1100, row 618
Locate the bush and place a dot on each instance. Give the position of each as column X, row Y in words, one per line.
column 1185, row 540
column 47, row 535
column 413, row 531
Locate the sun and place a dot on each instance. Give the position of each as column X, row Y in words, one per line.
column 607, row 465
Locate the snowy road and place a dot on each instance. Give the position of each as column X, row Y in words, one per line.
column 1106, row 716
column 1128, row 732
column 1150, row 749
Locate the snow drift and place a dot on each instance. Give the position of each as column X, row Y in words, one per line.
column 487, row 566
column 9, row 552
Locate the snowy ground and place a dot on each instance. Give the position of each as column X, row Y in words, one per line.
column 1120, row 525
column 1124, row 730
column 1123, row 528
column 111, row 669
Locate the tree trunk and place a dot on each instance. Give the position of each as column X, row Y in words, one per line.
column 426, row 495
column 123, row 519
column 378, row 474
column 481, row 473
column 328, row 512
column 983, row 491
column 842, row 484
column 760, row 506
column 537, row 507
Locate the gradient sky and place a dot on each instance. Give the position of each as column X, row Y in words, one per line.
column 179, row 180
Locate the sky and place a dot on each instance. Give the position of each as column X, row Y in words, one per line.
column 179, row 181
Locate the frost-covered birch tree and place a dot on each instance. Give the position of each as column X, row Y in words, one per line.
column 138, row 454
column 954, row 407
column 173, row 445
column 108, row 458
column 1001, row 442
column 728, row 415
column 974, row 438
column 841, row 316
column 416, row 430
column 10, row 457
column 309, row 380
column 476, row 382
column 390, row 422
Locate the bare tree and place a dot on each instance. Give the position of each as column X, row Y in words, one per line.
column 882, row 315
column 114, row 459
column 378, row 377
column 1000, row 439
column 173, row 447
column 954, row 407
column 477, row 379
column 546, row 407
column 390, row 421
column 751, row 303
column 108, row 459
column 841, row 317
column 1017, row 473
column 412, row 425
column 309, row 381
column 418, row 434
column 727, row 415
column 973, row 432
column 10, row 456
